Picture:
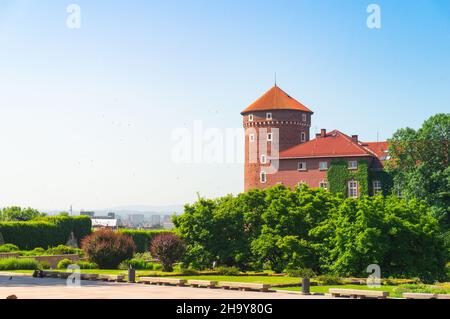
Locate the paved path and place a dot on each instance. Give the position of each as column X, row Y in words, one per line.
column 27, row 287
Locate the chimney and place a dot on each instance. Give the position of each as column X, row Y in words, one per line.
column 323, row 132
column 355, row 138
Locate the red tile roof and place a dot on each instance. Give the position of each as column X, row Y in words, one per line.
column 276, row 99
column 379, row 148
column 334, row 144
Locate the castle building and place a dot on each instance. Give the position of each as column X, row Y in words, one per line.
column 280, row 150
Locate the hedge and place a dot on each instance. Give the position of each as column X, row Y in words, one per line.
column 143, row 238
column 45, row 232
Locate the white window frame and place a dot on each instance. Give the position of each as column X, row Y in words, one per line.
column 350, row 166
column 269, row 137
column 269, row 116
column 251, row 137
column 263, row 177
column 321, row 168
column 263, row 159
column 303, row 136
column 304, row 168
column 250, row 118
column 304, row 118
column 323, row 184
column 353, row 189
column 376, row 187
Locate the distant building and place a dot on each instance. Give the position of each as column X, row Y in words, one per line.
column 90, row 214
column 136, row 219
column 155, row 220
column 104, row 223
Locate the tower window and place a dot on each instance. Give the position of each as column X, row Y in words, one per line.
column 352, row 165
column 250, row 118
column 269, row 137
column 301, row 166
column 251, row 137
column 268, row 116
column 376, row 187
column 263, row 177
column 263, row 159
column 353, row 189
column 304, row 117
column 323, row 166
column 303, row 137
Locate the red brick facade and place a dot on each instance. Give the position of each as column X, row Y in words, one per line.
column 277, row 110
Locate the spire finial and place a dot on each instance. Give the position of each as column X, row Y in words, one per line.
column 275, row 78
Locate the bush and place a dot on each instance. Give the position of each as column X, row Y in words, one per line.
column 64, row 263
column 63, row 250
column 45, row 231
column 327, row 280
column 143, row 238
column 8, row 248
column 168, row 248
column 86, row 265
column 18, row 264
column 228, row 271
column 138, row 264
column 44, row 265
column 108, row 248
column 38, row 251
column 301, row 273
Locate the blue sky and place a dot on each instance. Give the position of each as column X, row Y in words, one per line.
column 87, row 115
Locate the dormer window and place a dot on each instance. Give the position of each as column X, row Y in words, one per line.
column 269, row 116
column 250, row 118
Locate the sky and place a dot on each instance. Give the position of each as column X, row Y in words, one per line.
column 92, row 116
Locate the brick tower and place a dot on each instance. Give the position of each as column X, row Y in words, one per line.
column 274, row 110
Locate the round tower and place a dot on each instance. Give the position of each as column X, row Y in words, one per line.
column 274, row 118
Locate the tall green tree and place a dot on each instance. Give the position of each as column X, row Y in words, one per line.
column 16, row 213
column 420, row 164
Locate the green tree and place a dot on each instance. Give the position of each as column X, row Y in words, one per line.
column 16, row 213
column 420, row 164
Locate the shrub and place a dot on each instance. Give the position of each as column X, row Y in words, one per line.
column 18, row 264
column 138, row 264
column 157, row 267
column 301, row 273
column 143, row 238
column 86, row 265
column 64, row 263
column 168, row 248
column 327, row 280
column 108, row 248
column 7, row 248
column 63, row 250
column 228, row 271
column 44, row 265
column 38, row 251
column 45, row 231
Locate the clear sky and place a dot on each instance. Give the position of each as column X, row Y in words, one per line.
column 87, row 115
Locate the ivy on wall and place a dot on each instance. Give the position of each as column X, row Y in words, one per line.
column 338, row 176
column 387, row 182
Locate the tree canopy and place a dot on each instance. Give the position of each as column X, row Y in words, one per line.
column 282, row 229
